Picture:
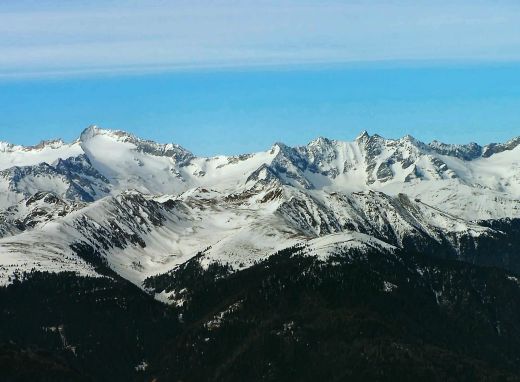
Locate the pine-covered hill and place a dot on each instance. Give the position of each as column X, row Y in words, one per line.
column 61, row 327
column 360, row 317
column 355, row 316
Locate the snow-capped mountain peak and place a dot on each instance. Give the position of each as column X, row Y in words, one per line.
column 362, row 136
column 238, row 209
column 115, row 160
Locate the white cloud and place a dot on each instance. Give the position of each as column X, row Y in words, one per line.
column 116, row 36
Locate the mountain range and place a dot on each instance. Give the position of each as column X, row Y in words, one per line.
column 172, row 226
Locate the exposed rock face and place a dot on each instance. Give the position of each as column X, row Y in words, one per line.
column 465, row 152
column 72, row 178
column 495, row 148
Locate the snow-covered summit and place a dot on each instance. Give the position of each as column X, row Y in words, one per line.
column 94, row 131
column 143, row 207
column 169, row 149
column 113, row 161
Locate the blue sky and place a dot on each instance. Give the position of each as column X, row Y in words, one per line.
column 236, row 76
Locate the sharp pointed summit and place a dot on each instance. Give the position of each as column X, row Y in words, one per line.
column 363, row 136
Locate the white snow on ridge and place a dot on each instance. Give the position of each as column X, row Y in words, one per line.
column 241, row 209
column 499, row 172
column 39, row 250
column 328, row 245
column 228, row 233
column 11, row 155
column 446, row 182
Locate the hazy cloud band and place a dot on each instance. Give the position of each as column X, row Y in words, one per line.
column 117, row 36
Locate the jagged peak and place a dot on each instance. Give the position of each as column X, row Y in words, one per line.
column 515, row 141
column 363, row 135
column 263, row 173
column 467, row 151
column 495, row 148
column 278, row 147
column 320, row 141
column 436, row 143
column 366, row 139
column 411, row 139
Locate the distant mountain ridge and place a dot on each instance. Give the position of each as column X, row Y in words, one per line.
column 467, row 151
column 113, row 161
column 372, row 259
column 142, row 207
